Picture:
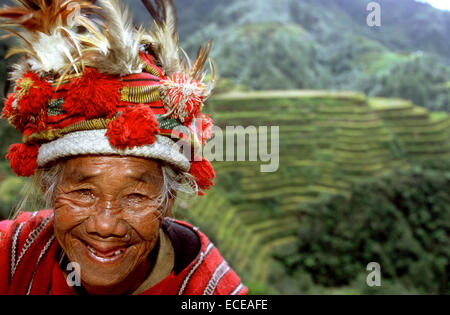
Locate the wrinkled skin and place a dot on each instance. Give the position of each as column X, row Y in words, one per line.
column 107, row 203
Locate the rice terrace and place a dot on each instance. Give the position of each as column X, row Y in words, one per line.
column 328, row 142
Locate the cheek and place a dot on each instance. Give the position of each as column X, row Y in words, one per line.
column 67, row 218
column 146, row 225
column 67, row 215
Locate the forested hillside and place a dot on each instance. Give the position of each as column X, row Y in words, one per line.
column 325, row 44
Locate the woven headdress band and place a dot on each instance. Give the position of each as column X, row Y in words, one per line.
column 89, row 82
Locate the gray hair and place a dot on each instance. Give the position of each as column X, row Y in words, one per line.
column 41, row 192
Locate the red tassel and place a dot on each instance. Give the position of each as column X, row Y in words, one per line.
column 11, row 113
column 182, row 97
column 8, row 109
column 23, row 158
column 136, row 126
column 94, row 95
column 203, row 126
column 32, row 94
column 203, row 173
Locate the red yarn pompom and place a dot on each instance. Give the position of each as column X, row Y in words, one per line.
column 183, row 98
column 23, row 158
column 94, row 95
column 12, row 113
column 8, row 109
column 203, row 173
column 136, row 126
column 32, row 94
column 203, row 127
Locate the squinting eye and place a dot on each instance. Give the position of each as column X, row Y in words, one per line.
column 84, row 193
column 137, row 197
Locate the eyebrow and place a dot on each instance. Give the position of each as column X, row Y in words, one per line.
column 142, row 178
column 78, row 178
column 146, row 178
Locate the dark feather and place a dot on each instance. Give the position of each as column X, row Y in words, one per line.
column 199, row 65
column 151, row 9
column 161, row 11
column 41, row 15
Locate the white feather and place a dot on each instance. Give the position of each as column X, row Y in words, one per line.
column 53, row 52
column 123, row 41
column 18, row 70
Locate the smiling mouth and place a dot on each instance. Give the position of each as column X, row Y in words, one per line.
column 105, row 256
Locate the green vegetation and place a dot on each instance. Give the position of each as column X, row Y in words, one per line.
column 358, row 179
column 400, row 220
column 325, row 44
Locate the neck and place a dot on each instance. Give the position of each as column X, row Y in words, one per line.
column 127, row 286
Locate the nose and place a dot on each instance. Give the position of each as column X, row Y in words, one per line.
column 106, row 223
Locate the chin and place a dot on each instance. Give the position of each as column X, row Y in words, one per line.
column 103, row 282
column 104, row 270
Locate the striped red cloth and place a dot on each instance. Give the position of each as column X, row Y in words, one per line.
column 31, row 263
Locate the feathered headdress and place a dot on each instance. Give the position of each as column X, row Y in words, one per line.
column 90, row 82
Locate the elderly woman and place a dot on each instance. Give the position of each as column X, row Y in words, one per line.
column 111, row 121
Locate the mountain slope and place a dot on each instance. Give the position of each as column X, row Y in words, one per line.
column 325, row 44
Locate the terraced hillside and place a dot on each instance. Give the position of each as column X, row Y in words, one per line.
column 327, row 141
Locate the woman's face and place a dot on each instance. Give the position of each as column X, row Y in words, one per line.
column 107, row 219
